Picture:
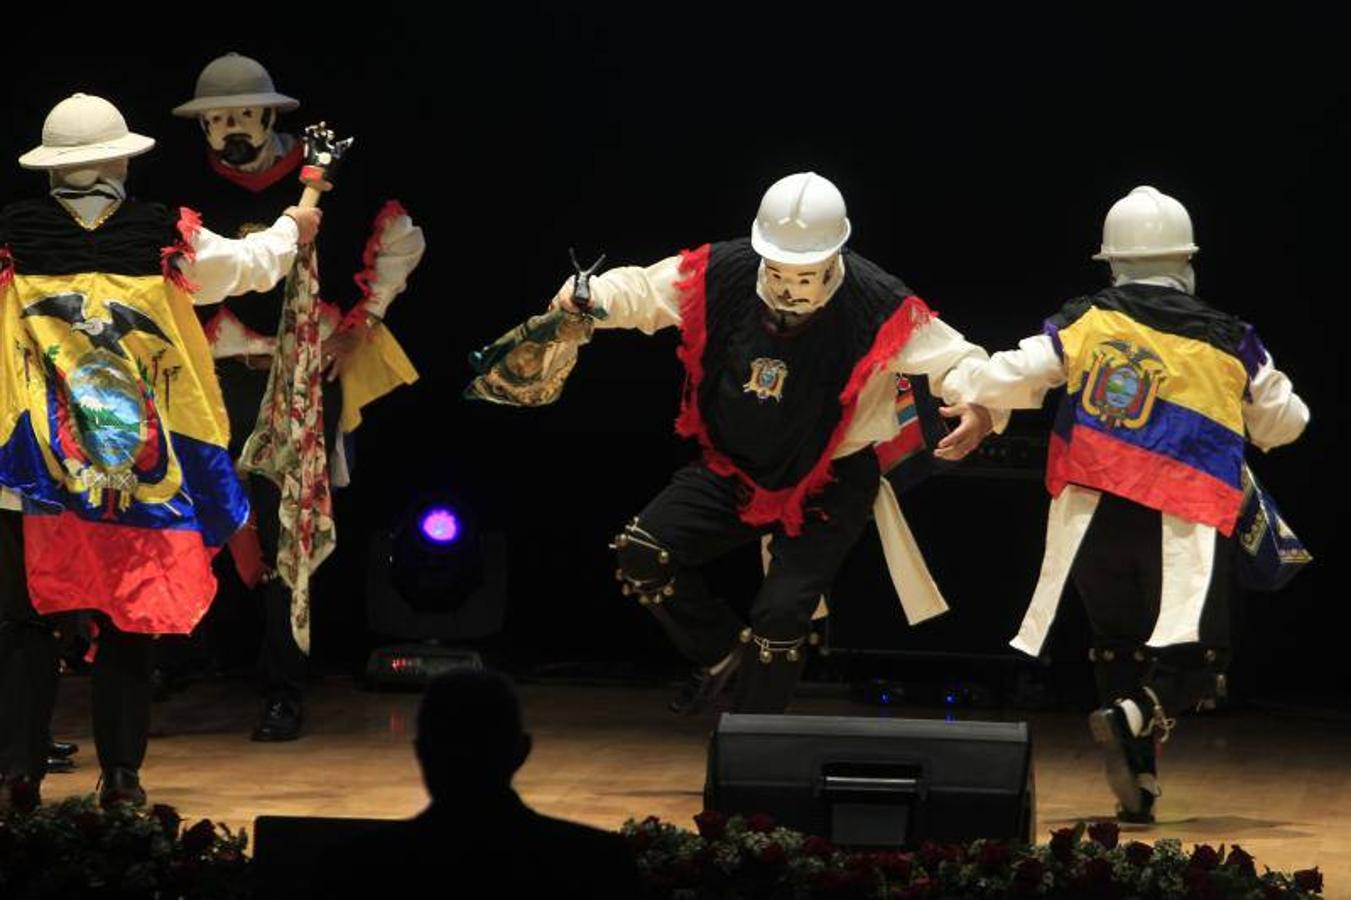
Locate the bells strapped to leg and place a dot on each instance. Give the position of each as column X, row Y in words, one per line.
column 766, row 685
column 646, row 570
column 791, row 650
column 1118, row 669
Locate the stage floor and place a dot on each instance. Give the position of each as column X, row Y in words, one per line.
column 1278, row 785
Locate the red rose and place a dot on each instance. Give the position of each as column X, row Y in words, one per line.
column 760, row 823
column 711, row 824
column 1310, row 881
column 1204, row 857
column 931, row 854
column 774, row 855
column 1098, row 871
column 1241, row 860
column 896, row 866
column 861, row 862
column 993, row 857
column 1105, row 833
column 834, row 883
column 1028, row 876
column 1062, row 844
column 199, row 838
column 23, row 795
column 1138, row 854
column 818, row 847
column 167, row 817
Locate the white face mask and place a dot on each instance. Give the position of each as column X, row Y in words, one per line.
column 800, row 290
column 1174, row 271
column 238, row 133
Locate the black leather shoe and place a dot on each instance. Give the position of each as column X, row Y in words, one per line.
column 20, row 792
column 63, row 750
column 59, row 757
column 120, row 785
column 281, row 721
column 60, row 765
column 703, row 686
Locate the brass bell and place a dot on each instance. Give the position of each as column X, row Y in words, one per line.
column 668, row 591
column 766, row 657
column 745, row 636
column 626, row 589
column 622, row 541
column 644, row 600
column 1108, row 655
column 619, row 574
column 1210, row 656
column 814, row 639
column 663, row 557
column 793, row 655
column 1139, row 656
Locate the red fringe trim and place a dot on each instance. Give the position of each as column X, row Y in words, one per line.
column 6, row 268
column 213, row 325
column 189, row 225
column 785, row 505
column 392, row 209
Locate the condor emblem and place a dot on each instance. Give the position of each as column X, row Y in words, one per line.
column 1122, row 385
column 767, row 378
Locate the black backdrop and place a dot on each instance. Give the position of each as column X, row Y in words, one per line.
column 978, row 152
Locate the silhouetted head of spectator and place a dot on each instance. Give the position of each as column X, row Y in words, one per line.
column 470, row 739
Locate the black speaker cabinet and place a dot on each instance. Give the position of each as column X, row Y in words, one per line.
column 870, row 782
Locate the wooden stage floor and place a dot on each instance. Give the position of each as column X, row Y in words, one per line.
column 1280, row 786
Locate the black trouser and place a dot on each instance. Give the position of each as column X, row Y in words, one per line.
column 695, row 518
column 29, row 669
column 1118, row 572
column 281, row 663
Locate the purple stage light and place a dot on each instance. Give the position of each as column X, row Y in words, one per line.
column 440, row 525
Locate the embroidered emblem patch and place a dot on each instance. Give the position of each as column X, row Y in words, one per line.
column 767, row 378
column 1123, row 383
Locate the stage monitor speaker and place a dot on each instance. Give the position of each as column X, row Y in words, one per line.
column 870, row 782
column 287, row 850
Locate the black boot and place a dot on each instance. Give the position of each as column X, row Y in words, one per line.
column 119, row 785
column 282, row 717
column 704, row 685
column 1129, row 762
column 59, row 757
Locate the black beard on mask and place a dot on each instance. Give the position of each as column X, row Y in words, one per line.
column 238, row 151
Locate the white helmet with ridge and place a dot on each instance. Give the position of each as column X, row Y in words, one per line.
column 801, row 220
column 1146, row 224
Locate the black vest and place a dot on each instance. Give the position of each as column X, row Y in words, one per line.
column 777, row 436
column 44, row 239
